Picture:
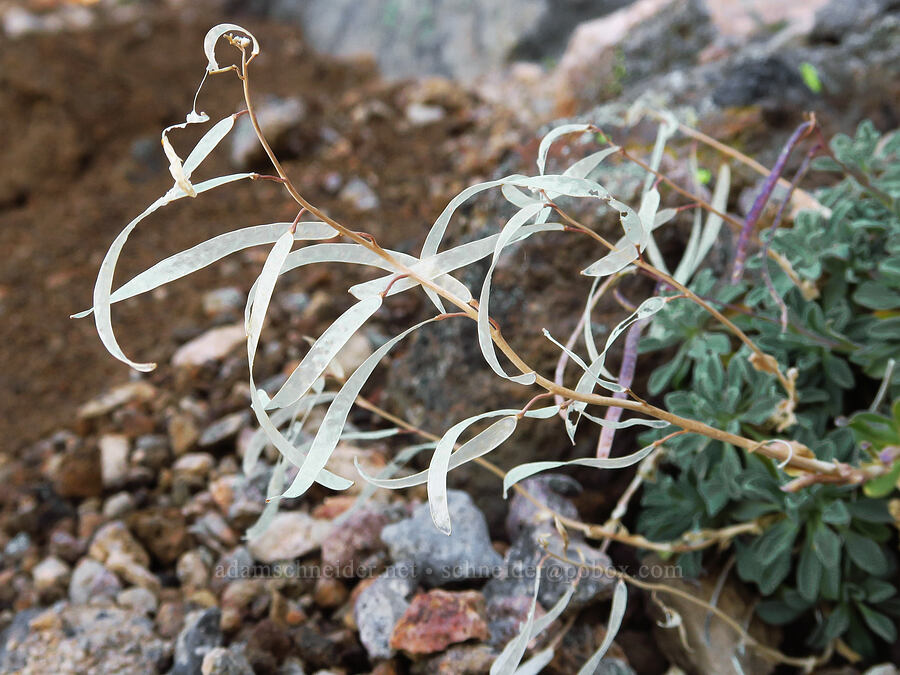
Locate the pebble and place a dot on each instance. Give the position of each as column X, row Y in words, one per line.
column 118, row 505
column 200, row 635
column 466, row 554
column 170, row 619
column 329, row 593
column 91, row 582
column 212, row 345
column 437, row 619
column 458, row 660
column 221, row 301
column 194, row 467
column 223, row 429
column 291, row 534
column 183, row 433
column 359, row 195
column 353, row 541
column 163, row 530
column 50, row 574
column 221, row 661
column 113, row 538
column 138, row 599
column 277, row 117
column 116, row 397
column 192, row 571
column 114, row 450
column 77, row 473
column 421, row 114
column 380, row 605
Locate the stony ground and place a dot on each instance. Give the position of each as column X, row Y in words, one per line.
column 124, row 507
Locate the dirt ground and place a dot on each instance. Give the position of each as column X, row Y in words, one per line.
column 81, row 119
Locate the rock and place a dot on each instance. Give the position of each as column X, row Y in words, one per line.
column 77, row 473
column 359, row 195
column 170, row 619
column 769, row 81
column 152, row 451
column 646, row 38
column 422, row 114
column 224, row 301
column 549, row 489
column 290, row 535
column 329, row 593
column 116, row 397
column 163, row 530
column 711, row 647
column 223, row 429
column 213, row 345
column 437, row 619
column 118, row 505
column 126, row 567
column 114, row 449
column 66, row 546
column 458, row 660
column 212, row 531
column 194, row 467
column 460, row 39
column 192, row 571
column 836, row 19
column 267, row 646
column 380, row 605
column 114, row 537
column 183, row 433
column 200, row 635
column 83, row 639
column 466, row 554
column 17, row 546
column 277, row 118
column 91, row 582
column 138, row 599
column 351, row 542
column 221, row 661
column 505, row 614
column 51, row 574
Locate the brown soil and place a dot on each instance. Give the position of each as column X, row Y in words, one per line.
column 81, row 117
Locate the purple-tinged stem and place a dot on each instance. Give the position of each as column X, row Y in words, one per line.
column 775, row 224
column 626, row 377
column 762, row 199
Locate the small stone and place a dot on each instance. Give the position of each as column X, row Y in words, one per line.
column 194, row 467
column 291, row 534
column 66, row 546
column 221, row 661
column 114, row 450
column 50, row 574
column 466, row 554
column 267, row 646
column 163, row 530
column 329, row 593
column 116, row 397
column 17, row 546
column 126, row 567
column 212, row 530
column 77, row 473
column 191, row 571
column 241, row 593
column 359, row 195
column 458, row 660
column 349, row 544
column 276, row 117
column 213, row 345
column 223, row 301
column 200, row 635
column 118, row 505
column 438, row 619
column 223, row 490
column 355, row 351
column 380, row 605
column 183, row 433
column 170, row 619
column 223, row 429
column 421, row 114
column 92, row 581
column 138, row 599
column 114, row 537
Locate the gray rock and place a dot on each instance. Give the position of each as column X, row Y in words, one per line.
column 200, row 635
column 278, row 118
column 231, row 661
column 839, row 17
column 82, row 639
column 359, row 195
column 92, row 582
column 550, row 489
column 465, row 554
column 223, row 301
column 455, row 38
column 381, row 604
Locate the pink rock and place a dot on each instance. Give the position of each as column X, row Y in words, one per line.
column 438, row 619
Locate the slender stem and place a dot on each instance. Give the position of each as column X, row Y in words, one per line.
column 771, row 449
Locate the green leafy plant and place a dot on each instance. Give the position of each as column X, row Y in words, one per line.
column 755, row 389
column 822, row 550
